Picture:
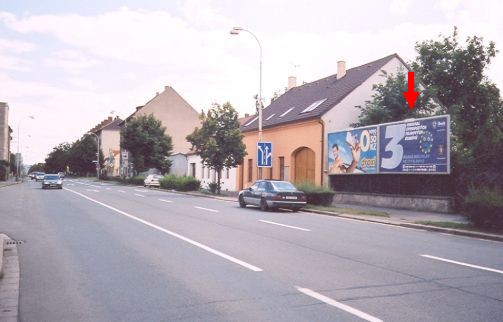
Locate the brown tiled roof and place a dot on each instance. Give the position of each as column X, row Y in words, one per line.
column 329, row 88
column 114, row 125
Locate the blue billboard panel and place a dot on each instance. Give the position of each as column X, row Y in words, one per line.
column 417, row 146
column 353, row 151
column 264, row 154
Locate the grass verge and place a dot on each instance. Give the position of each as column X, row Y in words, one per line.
column 445, row 224
column 349, row 211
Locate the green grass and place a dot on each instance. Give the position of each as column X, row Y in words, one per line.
column 445, row 224
column 349, row 211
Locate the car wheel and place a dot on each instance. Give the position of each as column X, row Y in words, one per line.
column 263, row 205
column 242, row 202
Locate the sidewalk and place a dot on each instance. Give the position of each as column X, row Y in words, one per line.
column 9, row 182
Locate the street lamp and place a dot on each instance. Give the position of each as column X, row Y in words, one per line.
column 18, row 161
column 97, row 155
column 236, row 31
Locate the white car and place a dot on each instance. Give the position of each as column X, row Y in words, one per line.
column 152, row 180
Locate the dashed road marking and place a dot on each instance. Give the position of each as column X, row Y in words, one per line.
column 283, row 225
column 463, row 264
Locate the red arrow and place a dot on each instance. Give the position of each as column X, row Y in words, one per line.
column 410, row 95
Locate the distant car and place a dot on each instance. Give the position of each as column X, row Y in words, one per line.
column 272, row 194
column 52, row 181
column 61, row 174
column 39, row 176
column 152, row 180
column 32, row 175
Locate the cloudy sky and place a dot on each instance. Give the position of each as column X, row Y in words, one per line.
column 72, row 63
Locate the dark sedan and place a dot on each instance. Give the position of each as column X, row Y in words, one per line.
column 272, row 194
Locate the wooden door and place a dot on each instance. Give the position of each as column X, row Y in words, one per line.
column 304, row 166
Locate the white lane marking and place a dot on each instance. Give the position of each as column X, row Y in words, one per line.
column 94, row 190
column 169, row 201
column 109, row 188
column 141, row 190
column 338, row 305
column 122, row 191
column 70, row 184
column 207, row 209
column 283, row 225
column 137, row 194
column 463, row 264
column 188, row 240
column 86, row 184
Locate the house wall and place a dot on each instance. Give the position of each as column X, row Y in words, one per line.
column 226, row 184
column 286, row 141
column 343, row 114
column 4, row 131
column 176, row 115
column 110, row 142
column 178, row 164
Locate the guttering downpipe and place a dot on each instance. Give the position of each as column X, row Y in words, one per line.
column 322, row 148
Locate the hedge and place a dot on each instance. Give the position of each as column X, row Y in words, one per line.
column 317, row 195
column 484, row 208
column 183, row 183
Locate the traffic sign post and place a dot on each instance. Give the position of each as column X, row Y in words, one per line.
column 264, row 154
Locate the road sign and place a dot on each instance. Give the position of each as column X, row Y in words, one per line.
column 264, row 154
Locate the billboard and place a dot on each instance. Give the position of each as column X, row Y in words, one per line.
column 353, row 151
column 412, row 146
column 417, row 146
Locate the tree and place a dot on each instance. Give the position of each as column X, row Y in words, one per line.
column 82, row 154
column 388, row 104
column 57, row 160
column 40, row 167
column 219, row 141
column 455, row 74
column 149, row 146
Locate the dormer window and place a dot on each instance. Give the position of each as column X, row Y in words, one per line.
column 313, row 106
column 288, row 111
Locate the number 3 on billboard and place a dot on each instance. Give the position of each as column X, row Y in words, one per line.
column 396, row 133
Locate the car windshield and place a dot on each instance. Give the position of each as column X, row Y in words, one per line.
column 51, row 177
column 282, row 185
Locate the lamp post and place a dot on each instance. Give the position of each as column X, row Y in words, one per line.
column 18, row 156
column 236, row 31
column 97, row 155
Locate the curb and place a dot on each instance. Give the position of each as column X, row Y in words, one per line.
column 2, row 239
column 9, row 184
column 452, row 231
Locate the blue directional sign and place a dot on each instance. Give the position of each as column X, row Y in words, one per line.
column 264, row 154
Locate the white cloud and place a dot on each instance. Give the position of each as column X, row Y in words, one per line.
column 400, row 7
column 72, row 61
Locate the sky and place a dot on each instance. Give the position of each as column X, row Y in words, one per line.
column 70, row 64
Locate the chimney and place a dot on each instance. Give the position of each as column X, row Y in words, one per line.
column 341, row 69
column 292, row 82
column 138, row 108
column 110, row 118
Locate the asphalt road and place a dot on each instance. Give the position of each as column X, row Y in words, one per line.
column 104, row 252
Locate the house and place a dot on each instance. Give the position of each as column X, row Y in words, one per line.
column 109, row 133
column 297, row 123
column 179, row 118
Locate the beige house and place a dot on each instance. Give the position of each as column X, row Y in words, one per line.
column 179, row 118
column 109, row 133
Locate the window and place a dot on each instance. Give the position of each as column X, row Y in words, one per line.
column 227, row 173
column 193, row 169
column 251, row 121
column 202, row 171
column 208, row 174
column 270, row 117
column 250, row 170
column 313, row 106
column 288, row 111
column 281, row 168
column 270, row 173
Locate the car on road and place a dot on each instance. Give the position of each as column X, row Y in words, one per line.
column 272, row 194
column 61, row 174
column 52, row 181
column 152, row 180
column 39, row 176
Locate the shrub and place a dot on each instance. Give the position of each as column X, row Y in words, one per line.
column 138, row 180
column 316, row 195
column 183, row 183
column 484, row 207
column 212, row 186
column 168, row 182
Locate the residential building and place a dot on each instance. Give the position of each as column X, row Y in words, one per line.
column 108, row 132
column 297, row 123
column 5, row 132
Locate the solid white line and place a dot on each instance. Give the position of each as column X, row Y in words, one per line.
column 94, row 190
column 212, row 210
column 165, row 200
column 293, row 227
column 464, row 264
column 338, row 305
column 137, row 194
column 122, row 191
column 188, row 240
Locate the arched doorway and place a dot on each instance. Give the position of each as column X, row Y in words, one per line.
column 304, row 165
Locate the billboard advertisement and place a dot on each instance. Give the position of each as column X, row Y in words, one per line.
column 412, row 146
column 417, row 146
column 353, row 151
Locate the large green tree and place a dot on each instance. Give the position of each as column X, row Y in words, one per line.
column 57, row 160
column 144, row 137
column 219, row 141
column 82, row 155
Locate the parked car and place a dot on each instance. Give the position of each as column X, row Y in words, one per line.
column 61, row 174
column 272, row 194
column 52, row 181
column 39, row 176
column 152, row 180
